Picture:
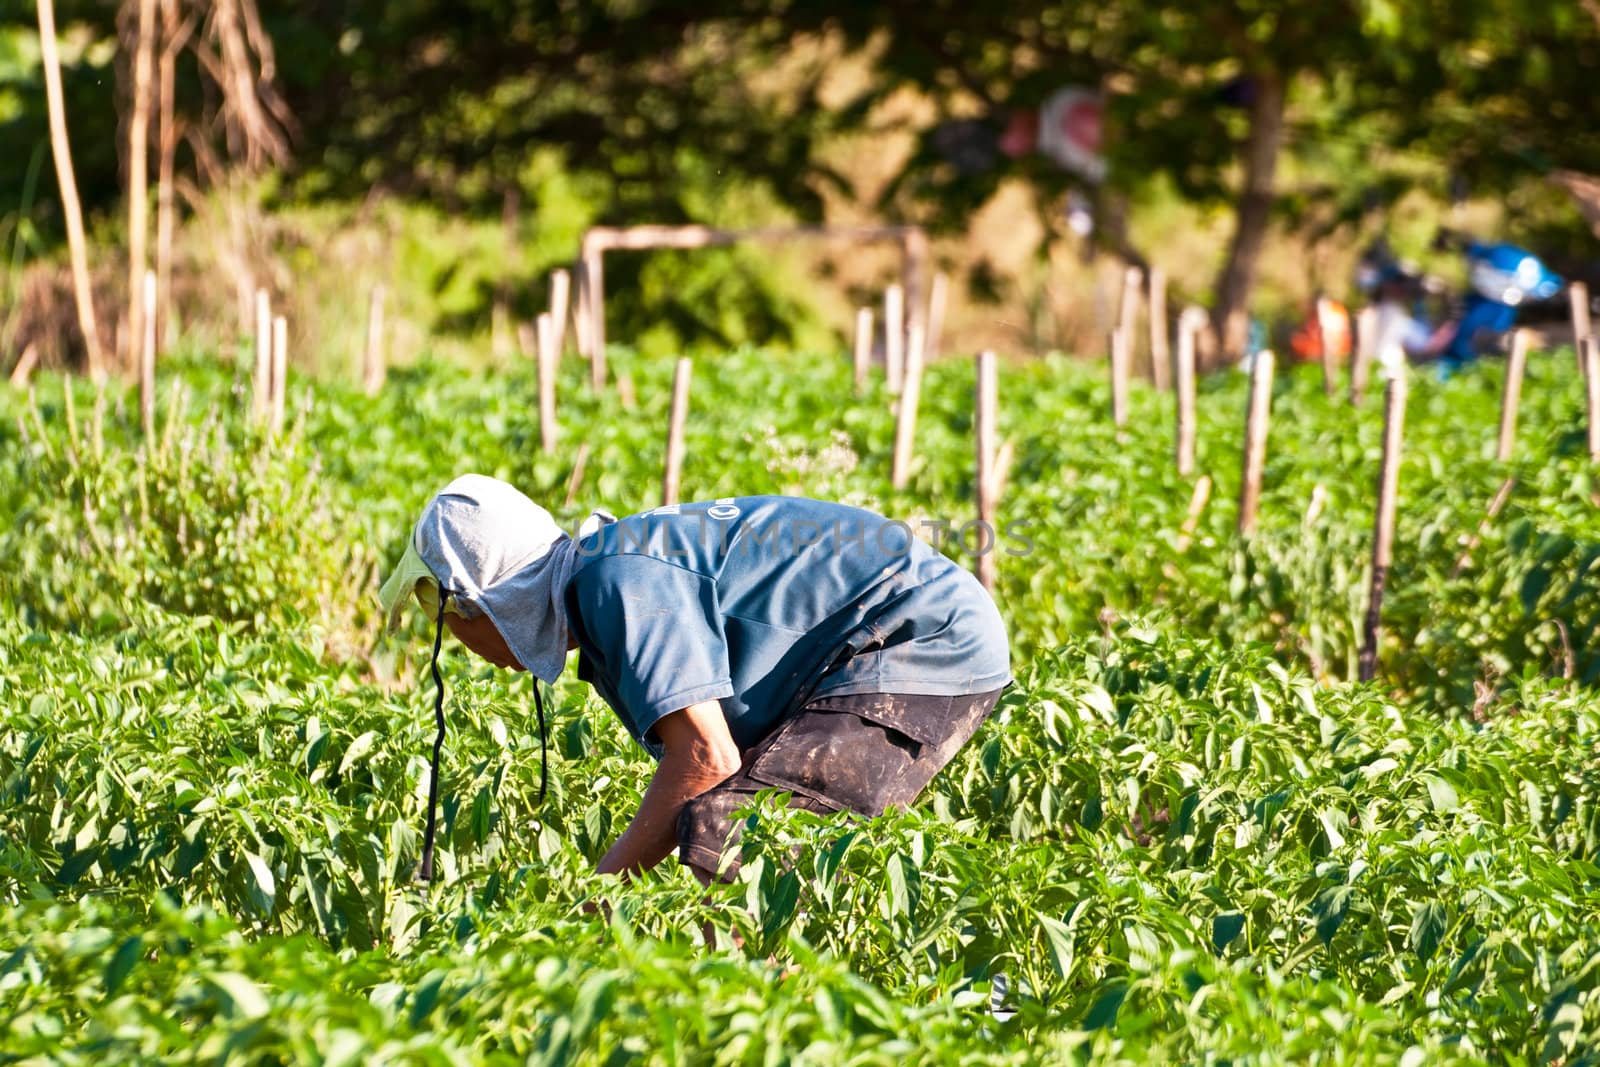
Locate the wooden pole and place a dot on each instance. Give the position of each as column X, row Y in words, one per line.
column 1501, row 495
column 985, row 413
column 1366, row 352
column 261, row 398
column 680, row 414
column 863, row 347
column 372, row 360
column 1160, row 354
column 549, row 357
column 139, row 179
column 560, row 294
column 1255, row 441
column 1394, row 416
column 581, row 317
column 905, row 427
column 25, row 365
column 894, row 336
column 576, row 479
column 1578, row 301
column 1511, row 397
column 280, row 370
column 594, row 295
column 1128, row 309
column 1001, row 472
column 1590, row 349
column 175, row 35
column 1325, row 315
column 1190, row 323
column 938, row 297
column 147, row 354
column 68, row 184
column 1197, row 505
column 1316, row 505
column 1119, row 377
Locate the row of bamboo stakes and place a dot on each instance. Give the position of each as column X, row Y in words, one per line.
column 907, row 348
column 991, row 461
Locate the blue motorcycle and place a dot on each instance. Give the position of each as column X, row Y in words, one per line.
column 1501, row 280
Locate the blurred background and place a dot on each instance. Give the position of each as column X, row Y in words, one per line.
column 455, row 152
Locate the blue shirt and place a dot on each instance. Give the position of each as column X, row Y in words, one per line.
column 764, row 603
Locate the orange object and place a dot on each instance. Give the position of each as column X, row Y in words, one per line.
column 1306, row 342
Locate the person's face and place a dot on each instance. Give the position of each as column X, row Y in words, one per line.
column 481, row 637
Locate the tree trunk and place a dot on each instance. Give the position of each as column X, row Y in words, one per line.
column 62, row 150
column 1231, row 316
column 139, row 176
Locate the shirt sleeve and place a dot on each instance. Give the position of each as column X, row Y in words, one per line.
column 658, row 631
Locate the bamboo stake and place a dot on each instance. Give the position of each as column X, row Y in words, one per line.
column 175, row 35
column 905, row 427
column 1366, row 352
column 1325, row 314
column 894, row 336
column 280, row 370
column 261, row 398
column 1511, row 397
column 576, row 479
column 1190, row 323
column 1001, row 474
column 560, row 293
column 680, row 415
column 863, row 347
column 1255, row 441
column 25, row 364
column 1394, row 415
column 139, row 179
column 548, row 358
column 147, row 355
column 1591, row 362
column 1316, row 505
column 1578, row 301
column 1197, row 505
column 372, row 360
column 595, row 287
column 985, row 412
column 1501, row 495
column 1128, row 309
column 1119, row 377
column 581, row 316
column 68, row 184
column 1160, row 354
column 938, row 297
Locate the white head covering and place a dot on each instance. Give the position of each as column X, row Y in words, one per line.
column 497, row 552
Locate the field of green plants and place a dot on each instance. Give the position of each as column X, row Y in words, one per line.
column 1186, row 835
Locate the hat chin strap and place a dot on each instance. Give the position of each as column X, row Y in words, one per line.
column 425, row 869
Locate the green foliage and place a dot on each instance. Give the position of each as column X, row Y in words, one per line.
column 1183, row 836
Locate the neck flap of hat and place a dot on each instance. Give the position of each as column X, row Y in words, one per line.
column 504, row 555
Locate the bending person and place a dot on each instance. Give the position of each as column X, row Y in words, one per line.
column 745, row 643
